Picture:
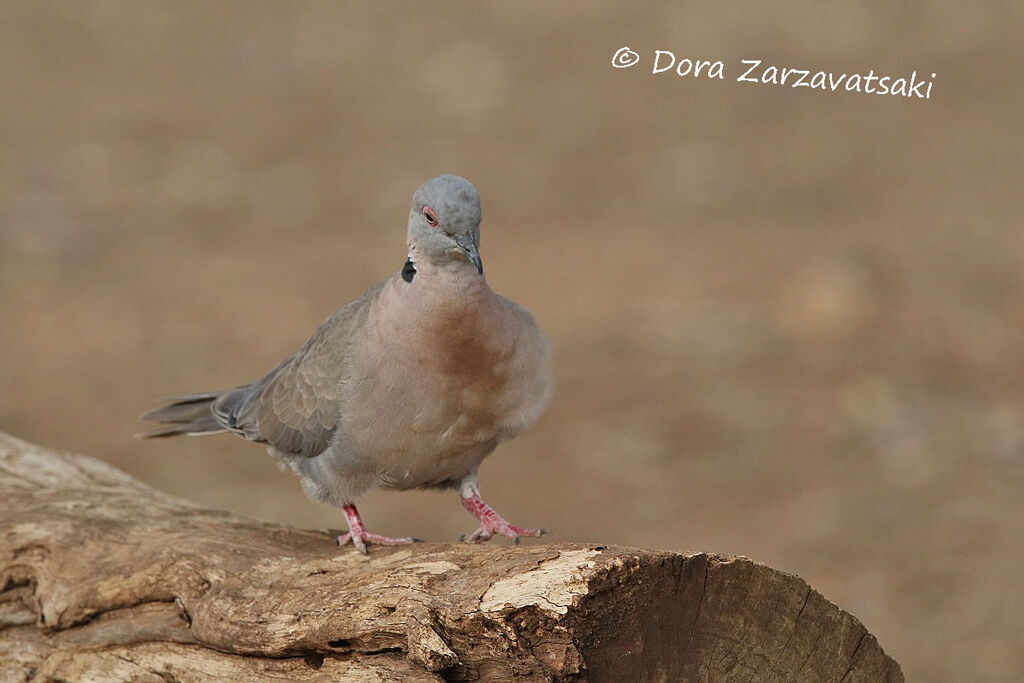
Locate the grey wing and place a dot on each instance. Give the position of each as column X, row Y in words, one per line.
column 295, row 407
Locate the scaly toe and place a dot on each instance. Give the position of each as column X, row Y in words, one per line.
column 360, row 545
column 377, row 539
column 360, row 542
column 514, row 532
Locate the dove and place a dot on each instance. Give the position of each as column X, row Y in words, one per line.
column 409, row 386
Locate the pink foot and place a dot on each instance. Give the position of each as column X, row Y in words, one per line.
column 490, row 521
column 359, row 536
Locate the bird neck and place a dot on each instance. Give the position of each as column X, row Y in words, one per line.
column 440, row 311
column 446, row 270
column 440, row 291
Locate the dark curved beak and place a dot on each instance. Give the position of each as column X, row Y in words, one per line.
column 470, row 245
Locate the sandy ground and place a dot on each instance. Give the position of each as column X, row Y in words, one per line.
column 787, row 321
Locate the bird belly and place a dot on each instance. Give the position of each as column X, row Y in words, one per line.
column 447, row 438
column 431, row 433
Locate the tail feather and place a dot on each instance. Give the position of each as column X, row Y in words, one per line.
column 191, row 414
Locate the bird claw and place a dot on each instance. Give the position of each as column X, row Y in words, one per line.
column 481, row 535
column 366, row 538
column 488, row 529
column 490, row 521
column 360, row 537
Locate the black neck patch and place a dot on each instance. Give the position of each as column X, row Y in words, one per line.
column 408, row 271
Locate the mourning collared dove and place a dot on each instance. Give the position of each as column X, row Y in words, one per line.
column 411, row 385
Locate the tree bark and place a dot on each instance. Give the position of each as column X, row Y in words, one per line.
column 103, row 578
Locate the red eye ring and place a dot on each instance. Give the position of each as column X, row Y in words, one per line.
column 430, row 216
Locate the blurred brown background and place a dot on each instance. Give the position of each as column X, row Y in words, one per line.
column 788, row 322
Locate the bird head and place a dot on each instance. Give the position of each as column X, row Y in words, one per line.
column 444, row 223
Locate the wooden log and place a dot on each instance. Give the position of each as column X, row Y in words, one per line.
column 103, row 578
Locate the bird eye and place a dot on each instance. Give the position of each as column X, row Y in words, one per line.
column 430, row 216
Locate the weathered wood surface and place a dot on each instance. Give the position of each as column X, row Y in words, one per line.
column 103, row 578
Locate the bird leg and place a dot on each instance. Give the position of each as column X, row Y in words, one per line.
column 490, row 521
column 359, row 536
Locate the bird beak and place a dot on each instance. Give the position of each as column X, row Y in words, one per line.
column 469, row 244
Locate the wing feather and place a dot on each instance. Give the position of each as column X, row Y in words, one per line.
column 295, row 407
